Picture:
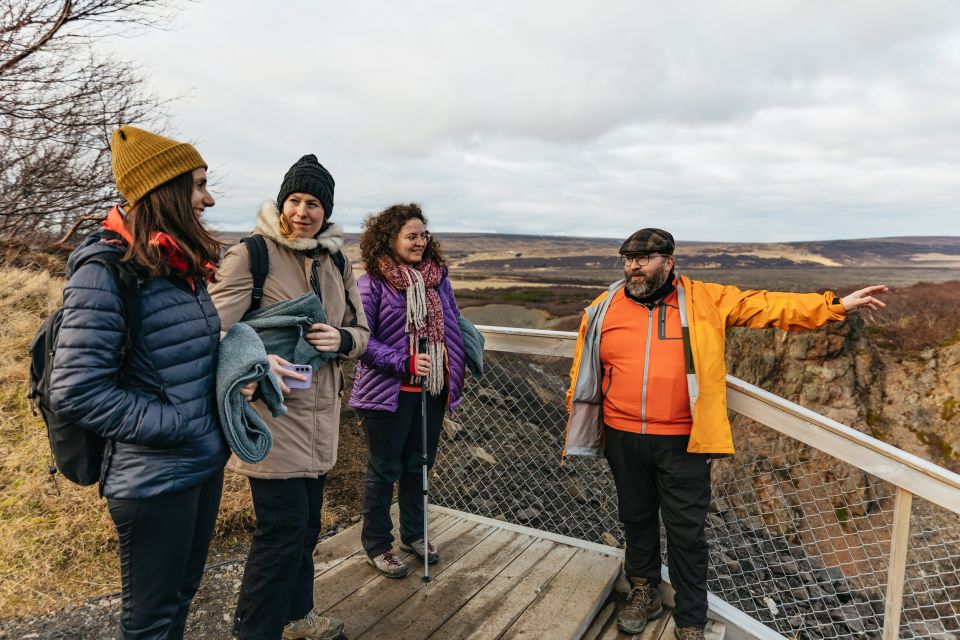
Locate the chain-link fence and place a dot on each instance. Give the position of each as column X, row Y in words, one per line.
column 798, row 539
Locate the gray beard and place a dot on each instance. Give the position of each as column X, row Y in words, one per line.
column 648, row 285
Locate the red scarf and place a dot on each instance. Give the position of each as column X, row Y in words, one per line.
column 170, row 251
column 424, row 310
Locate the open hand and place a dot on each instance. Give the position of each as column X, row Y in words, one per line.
column 863, row 298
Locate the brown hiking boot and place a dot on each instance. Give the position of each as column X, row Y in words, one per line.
column 688, row 633
column 643, row 604
column 313, row 627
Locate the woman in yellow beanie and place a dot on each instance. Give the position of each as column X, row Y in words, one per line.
column 140, row 372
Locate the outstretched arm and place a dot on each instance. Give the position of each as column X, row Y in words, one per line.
column 863, row 298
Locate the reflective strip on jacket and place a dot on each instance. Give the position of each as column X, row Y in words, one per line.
column 711, row 309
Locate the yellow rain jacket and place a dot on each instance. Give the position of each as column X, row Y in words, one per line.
column 707, row 309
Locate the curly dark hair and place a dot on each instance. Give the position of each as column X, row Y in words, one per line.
column 381, row 229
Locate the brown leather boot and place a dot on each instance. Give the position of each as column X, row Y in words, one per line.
column 643, row 604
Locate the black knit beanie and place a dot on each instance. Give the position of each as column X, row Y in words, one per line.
column 307, row 175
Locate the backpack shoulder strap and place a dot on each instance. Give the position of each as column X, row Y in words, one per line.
column 341, row 262
column 259, row 267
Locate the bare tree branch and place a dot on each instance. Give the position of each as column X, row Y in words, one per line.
column 44, row 39
column 59, row 101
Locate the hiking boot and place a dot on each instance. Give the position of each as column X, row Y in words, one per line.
column 416, row 548
column 388, row 564
column 313, row 627
column 643, row 604
column 688, row 633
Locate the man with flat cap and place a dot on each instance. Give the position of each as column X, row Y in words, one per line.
column 648, row 387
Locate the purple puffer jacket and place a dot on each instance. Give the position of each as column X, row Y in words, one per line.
column 382, row 367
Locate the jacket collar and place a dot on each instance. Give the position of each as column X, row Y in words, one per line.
column 329, row 239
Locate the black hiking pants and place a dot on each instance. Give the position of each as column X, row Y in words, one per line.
column 277, row 585
column 656, row 476
column 395, row 455
column 163, row 548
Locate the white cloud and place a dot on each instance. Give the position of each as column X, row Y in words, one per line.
column 732, row 121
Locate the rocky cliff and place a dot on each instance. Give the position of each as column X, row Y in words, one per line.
column 844, row 372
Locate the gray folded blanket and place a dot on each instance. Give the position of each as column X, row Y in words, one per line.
column 283, row 327
column 472, row 345
column 243, row 360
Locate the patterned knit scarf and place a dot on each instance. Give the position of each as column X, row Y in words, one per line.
column 424, row 311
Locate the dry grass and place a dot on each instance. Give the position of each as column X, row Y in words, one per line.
column 54, row 546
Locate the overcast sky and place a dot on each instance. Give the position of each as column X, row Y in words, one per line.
column 734, row 121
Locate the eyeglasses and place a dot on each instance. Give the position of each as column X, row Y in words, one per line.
column 639, row 259
column 413, row 237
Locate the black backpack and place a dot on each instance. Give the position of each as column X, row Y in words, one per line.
column 260, row 267
column 79, row 454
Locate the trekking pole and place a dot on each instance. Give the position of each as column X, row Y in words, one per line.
column 422, row 348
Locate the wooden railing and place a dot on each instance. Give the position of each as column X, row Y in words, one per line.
column 911, row 475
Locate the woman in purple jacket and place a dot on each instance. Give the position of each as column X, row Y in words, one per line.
column 407, row 297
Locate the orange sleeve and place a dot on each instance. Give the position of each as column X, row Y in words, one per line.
column 788, row 311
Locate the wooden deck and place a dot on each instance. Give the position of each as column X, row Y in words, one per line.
column 494, row 580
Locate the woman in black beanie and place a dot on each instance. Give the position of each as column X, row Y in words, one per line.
column 303, row 250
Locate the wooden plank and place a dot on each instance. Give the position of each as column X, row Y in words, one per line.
column 899, row 538
column 569, row 602
column 426, row 610
column 353, row 573
column 602, row 622
column 364, row 607
column 497, row 605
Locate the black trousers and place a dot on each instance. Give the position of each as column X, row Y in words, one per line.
column 277, row 582
column 163, row 548
column 656, row 474
column 395, row 453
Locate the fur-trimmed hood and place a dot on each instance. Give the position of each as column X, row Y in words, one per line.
column 268, row 223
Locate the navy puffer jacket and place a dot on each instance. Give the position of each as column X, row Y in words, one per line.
column 160, row 412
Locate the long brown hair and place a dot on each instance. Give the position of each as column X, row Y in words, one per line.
column 169, row 209
column 381, row 229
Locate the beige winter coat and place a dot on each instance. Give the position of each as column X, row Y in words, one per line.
column 305, row 438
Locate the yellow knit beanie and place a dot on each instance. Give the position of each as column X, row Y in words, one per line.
column 142, row 161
